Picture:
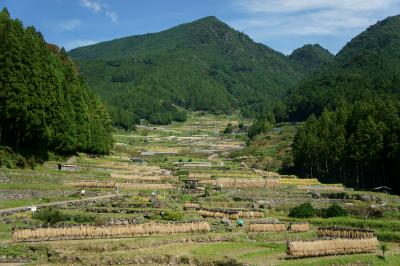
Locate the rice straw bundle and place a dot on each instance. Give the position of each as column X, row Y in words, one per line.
column 191, row 206
column 331, row 247
column 299, row 227
column 90, row 232
column 267, row 227
column 243, row 183
column 233, row 215
column 345, row 232
column 145, row 186
column 144, row 178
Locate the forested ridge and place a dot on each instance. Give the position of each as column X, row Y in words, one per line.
column 352, row 134
column 44, row 103
column 202, row 65
column 312, row 57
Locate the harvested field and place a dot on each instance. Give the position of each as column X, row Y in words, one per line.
column 144, row 178
column 242, row 183
column 267, row 227
column 300, row 181
column 199, row 175
column 316, row 248
column 92, row 184
column 91, row 232
column 191, row 206
column 345, row 232
column 321, row 187
column 138, row 186
column 299, row 227
column 145, row 186
column 216, row 214
column 230, row 214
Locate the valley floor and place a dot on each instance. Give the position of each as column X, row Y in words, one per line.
column 180, row 174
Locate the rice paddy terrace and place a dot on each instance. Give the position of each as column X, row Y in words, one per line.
column 186, row 194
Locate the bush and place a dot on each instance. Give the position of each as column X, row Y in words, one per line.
column 335, row 210
column 228, row 129
column 305, row 210
column 82, row 218
column 10, row 159
column 49, row 216
column 171, row 215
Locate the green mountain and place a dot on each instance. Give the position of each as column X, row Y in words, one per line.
column 312, row 57
column 366, row 67
column 202, row 65
column 44, row 103
column 356, row 137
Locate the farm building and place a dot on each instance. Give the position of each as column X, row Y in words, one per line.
column 68, row 167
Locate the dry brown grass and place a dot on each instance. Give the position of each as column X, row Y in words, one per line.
column 243, row 183
column 344, row 232
column 299, row 227
column 110, row 184
column 331, row 247
column 219, row 214
column 199, row 175
column 92, row 184
column 321, row 187
column 267, row 227
column 230, row 214
column 139, row 186
column 191, row 206
column 90, row 232
column 142, row 178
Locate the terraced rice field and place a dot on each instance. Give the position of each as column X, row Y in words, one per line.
column 183, row 174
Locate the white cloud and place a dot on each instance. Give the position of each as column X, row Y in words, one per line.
column 309, row 17
column 112, row 15
column 98, row 6
column 70, row 24
column 92, row 5
column 279, row 6
column 78, row 43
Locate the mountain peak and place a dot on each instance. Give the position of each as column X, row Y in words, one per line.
column 312, row 57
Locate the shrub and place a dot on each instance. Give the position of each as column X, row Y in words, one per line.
column 335, row 210
column 82, row 218
column 171, row 215
column 228, row 129
column 305, row 210
column 50, row 216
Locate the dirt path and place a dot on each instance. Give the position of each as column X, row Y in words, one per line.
column 57, row 203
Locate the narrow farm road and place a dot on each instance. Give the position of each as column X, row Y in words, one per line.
column 57, row 203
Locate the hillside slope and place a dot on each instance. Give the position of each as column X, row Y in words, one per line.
column 202, row 65
column 366, row 67
column 312, row 57
column 44, row 104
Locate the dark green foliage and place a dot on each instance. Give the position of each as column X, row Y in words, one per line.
column 383, row 247
column 262, row 125
column 335, row 210
column 305, row 210
column 10, row 159
column 312, row 57
column 228, row 129
column 171, row 215
column 203, row 65
column 44, row 103
column 52, row 216
column 49, row 216
column 367, row 67
column 358, row 145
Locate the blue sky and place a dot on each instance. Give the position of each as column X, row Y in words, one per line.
column 281, row 24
